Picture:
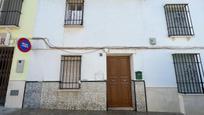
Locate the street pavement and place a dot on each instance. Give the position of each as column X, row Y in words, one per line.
column 5, row 111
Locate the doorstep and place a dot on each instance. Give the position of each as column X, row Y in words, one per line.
column 121, row 108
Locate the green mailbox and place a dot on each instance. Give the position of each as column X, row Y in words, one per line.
column 138, row 75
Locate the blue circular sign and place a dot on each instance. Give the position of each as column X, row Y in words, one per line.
column 24, row 45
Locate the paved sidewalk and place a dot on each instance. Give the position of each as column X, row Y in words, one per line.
column 63, row 112
column 4, row 111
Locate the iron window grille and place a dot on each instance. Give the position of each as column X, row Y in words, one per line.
column 189, row 73
column 70, row 74
column 74, row 12
column 178, row 20
column 10, row 11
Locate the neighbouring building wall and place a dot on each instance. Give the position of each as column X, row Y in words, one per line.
column 25, row 29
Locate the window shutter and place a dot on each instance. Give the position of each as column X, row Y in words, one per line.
column 10, row 12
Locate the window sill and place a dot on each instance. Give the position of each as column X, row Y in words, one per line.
column 73, row 26
column 188, row 37
column 191, row 94
column 69, row 90
column 9, row 26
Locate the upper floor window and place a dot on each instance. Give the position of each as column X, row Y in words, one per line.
column 74, row 12
column 10, row 11
column 178, row 20
column 189, row 73
column 70, row 74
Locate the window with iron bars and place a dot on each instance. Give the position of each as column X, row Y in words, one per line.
column 70, row 74
column 10, row 11
column 178, row 20
column 74, row 12
column 189, row 73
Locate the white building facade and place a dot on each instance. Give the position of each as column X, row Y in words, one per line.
column 86, row 56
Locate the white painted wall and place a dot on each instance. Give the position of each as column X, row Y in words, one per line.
column 113, row 23
column 116, row 23
column 45, row 65
column 156, row 65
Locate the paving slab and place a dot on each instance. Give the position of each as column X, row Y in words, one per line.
column 64, row 112
column 4, row 111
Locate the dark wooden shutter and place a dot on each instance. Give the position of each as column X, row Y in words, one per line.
column 10, row 12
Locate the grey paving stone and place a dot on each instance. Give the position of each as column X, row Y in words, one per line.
column 4, row 111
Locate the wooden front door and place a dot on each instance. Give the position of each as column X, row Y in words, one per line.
column 119, row 81
column 6, row 56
